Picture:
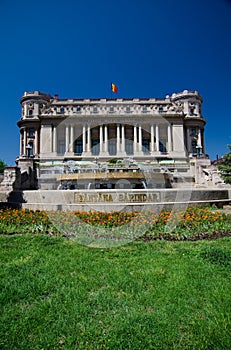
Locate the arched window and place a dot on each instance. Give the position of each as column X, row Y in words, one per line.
column 191, row 111
column 30, row 112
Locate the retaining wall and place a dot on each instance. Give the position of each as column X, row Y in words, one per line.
column 118, row 200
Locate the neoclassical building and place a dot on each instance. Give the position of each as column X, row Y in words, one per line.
column 148, row 133
column 111, row 154
column 56, row 129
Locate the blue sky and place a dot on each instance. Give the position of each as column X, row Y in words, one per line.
column 149, row 48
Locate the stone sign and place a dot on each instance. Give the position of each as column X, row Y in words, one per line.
column 106, row 197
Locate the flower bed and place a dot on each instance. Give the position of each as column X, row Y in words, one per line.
column 193, row 223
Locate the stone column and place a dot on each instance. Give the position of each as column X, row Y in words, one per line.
column 21, row 143
column 72, row 139
column 36, row 142
column 123, row 139
column 152, row 138
column 101, row 139
column 197, row 109
column 202, row 141
column 67, row 138
column 118, row 139
column 199, row 138
column 186, row 107
column 89, row 139
column 199, row 142
column 25, row 109
column 84, row 138
column 105, row 139
column 24, row 141
column 135, row 139
column 140, row 138
column 169, row 138
column 157, row 139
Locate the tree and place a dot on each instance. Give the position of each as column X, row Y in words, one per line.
column 2, row 166
column 225, row 167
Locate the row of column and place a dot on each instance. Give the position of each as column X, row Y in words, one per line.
column 50, row 135
column 120, row 138
column 26, row 140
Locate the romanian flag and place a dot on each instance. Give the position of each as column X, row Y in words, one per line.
column 114, row 88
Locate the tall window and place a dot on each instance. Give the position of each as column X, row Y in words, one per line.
column 191, row 111
column 112, row 147
column 145, row 146
column 78, row 149
column 30, row 112
column 129, row 146
column 30, row 149
column 61, row 147
column 194, row 147
column 95, row 147
column 193, row 131
column 162, row 146
column 31, row 132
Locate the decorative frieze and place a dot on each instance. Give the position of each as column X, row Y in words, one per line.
column 115, row 109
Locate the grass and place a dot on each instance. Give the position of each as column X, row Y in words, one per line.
column 57, row 294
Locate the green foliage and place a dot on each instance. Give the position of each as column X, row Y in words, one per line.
column 112, row 161
column 2, row 166
column 115, row 161
column 225, row 167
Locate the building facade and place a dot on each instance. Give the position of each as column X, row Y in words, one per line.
column 162, row 128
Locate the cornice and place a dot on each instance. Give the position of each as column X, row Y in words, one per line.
column 194, row 120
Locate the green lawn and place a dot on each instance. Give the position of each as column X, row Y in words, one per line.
column 57, row 294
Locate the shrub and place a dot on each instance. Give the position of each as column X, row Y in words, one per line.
column 2, row 166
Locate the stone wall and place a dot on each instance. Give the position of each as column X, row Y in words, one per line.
column 119, row 200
